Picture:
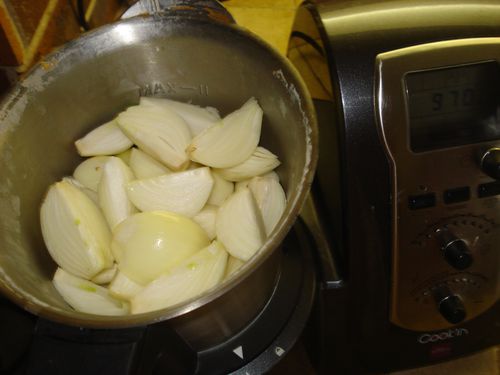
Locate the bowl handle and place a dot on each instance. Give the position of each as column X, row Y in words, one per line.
column 211, row 9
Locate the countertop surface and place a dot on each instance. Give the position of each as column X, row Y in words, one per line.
column 257, row 16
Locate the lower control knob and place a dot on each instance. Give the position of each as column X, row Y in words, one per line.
column 452, row 309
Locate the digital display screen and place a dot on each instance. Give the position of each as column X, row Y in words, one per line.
column 453, row 106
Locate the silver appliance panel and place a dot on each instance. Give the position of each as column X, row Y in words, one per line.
column 446, row 216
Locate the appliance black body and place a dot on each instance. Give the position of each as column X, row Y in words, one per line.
column 356, row 326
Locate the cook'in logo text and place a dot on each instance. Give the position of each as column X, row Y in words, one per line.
column 441, row 336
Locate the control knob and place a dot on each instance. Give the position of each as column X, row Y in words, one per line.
column 455, row 250
column 490, row 163
column 450, row 306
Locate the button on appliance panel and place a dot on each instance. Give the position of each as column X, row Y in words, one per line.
column 456, row 195
column 416, row 202
column 488, row 190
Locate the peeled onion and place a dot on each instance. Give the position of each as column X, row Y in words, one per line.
column 89, row 193
column 270, row 198
column 144, row 166
column 106, row 139
column 231, row 141
column 244, row 183
column 233, row 265
column 220, row 191
column 197, row 118
column 75, row 231
column 89, row 172
column 148, row 244
column 260, row 162
column 86, row 296
column 239, row 225
column 158, row 131
column 123, row 287
column 113, row 198
column 105, row 276
column 182, row 192
column 206, row 218
column 125, row 155
column 207, row 205
column 200, row 272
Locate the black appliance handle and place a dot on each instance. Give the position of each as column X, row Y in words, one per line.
column 58, row 349
column 327, row 264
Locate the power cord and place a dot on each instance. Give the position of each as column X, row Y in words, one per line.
column 79, row 13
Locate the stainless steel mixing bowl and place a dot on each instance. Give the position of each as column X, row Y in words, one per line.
column 186, row 54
